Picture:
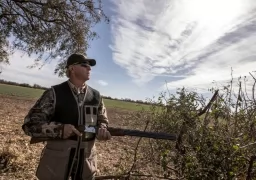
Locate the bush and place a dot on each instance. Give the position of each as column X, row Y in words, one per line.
column 215, row 141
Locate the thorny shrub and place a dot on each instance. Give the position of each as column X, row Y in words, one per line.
column 216, row 137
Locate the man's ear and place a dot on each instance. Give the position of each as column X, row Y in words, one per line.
column 71, row 68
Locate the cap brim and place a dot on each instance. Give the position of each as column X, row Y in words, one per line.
column 92, row 62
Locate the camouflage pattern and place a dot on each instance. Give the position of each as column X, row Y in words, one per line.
column 37, row 122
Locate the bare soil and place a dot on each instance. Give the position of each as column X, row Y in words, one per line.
column 19, row 159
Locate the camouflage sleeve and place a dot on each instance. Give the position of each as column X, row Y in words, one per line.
column 37, row 121
column 102, row 114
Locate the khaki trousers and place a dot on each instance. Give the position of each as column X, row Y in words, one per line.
column 55, row 160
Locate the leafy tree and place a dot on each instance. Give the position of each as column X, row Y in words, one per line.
column 48, row 28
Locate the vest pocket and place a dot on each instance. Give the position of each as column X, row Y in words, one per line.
column 90, row 115
column 52, row 165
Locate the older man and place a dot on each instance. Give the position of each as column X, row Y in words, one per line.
column 57, row 114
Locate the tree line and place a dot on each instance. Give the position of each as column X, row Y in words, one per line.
column 37, row 86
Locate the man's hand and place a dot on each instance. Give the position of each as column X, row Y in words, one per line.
column 70, row 130
column 103, row 134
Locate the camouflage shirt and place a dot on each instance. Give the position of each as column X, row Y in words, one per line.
column 37, row 121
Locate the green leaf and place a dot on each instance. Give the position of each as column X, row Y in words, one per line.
column 235, row 147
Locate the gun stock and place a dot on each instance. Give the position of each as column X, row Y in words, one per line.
column 117, row 132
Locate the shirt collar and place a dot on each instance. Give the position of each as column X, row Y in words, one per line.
column 77, row 90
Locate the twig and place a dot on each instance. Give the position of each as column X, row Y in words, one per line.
column 168, row 167
column 249, row 171
column 168, row 89
column 205, row 119
column 247, row 145
column 231, row 83
column 238, row 99
column 209, row 104
column 245, row 91
column 111, row 177
column 253, row 87
column 159, row 177
column 125, row 176
column 136, row 151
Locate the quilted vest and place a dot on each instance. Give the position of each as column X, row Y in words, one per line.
column 69, row 111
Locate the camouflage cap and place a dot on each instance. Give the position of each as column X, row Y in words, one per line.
column 79, row 59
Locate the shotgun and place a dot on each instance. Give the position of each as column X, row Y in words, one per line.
column 114, row 132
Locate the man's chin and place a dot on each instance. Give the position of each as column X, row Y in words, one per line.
column 86, row 79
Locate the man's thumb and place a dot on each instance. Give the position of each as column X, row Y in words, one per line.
column 76, row 131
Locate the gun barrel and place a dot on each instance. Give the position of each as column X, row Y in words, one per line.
column 153, row 135
column 138, row 133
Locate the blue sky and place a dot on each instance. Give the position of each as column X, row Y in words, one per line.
column 187, row 43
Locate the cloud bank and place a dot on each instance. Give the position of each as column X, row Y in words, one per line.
column 197, row 40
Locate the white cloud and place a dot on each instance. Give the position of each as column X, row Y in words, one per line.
column 196, row 39
column 17, row 71
column 102, row 83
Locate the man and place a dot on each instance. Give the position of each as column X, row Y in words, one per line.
column 57, row 113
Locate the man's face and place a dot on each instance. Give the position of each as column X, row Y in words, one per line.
column 82, row 71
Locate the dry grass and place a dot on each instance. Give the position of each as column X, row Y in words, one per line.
column 19, row 159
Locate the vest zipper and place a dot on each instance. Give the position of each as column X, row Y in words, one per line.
column 80, row 121
column 79, row 139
